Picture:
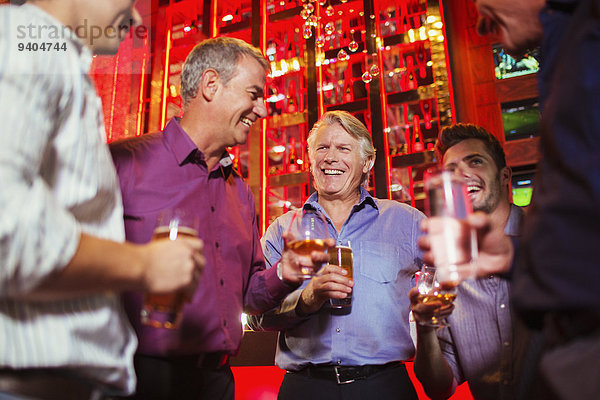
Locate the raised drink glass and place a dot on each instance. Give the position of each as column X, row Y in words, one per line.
column 431, row 290
column 164, row 310
column 308, row 231
column 453, row 242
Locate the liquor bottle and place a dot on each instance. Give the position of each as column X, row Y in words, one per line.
column 293, row 161
column 292, row 105
column 426, row 106
column 417, row 139
column 422, row 60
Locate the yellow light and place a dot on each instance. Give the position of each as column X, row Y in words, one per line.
column 411, row 35
column 422, row 33
column 438, row 25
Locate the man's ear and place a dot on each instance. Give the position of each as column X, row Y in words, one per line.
column 505, row 176
column 209, row 84
column 368, row 165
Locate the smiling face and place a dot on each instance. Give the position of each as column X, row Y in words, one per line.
column 515, row 21
column 240, row 102
column 106, row 23
column 336, row 162
column 487, row 186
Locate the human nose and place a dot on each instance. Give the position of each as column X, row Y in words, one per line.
column 260, row 109
column 330, row 156
column 461, row 170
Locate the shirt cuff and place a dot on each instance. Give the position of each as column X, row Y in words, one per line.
column 278, row 288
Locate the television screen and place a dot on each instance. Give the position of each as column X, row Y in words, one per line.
column 522, row 187
column 508, row 67
column 521, row 119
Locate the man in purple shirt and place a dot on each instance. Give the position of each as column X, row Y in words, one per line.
column 187, row 166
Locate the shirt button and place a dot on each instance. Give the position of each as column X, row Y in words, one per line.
column 506, row 344
column 505, row 382
column 212, row 208
column 502, row 305
column 337, row 330
column 217, row 244
column 224, row 323
column 222, row 283
column 338, row 362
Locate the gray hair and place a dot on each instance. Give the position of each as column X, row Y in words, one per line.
column 221, row 54
column 354, row 127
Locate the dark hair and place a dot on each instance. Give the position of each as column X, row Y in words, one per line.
column 454, row 134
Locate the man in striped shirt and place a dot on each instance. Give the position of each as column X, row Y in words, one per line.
column 479, row 344
column 63, row 332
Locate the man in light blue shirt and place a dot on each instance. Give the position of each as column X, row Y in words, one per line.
column 357, row 352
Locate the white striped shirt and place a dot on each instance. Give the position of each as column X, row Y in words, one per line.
column 56, row 181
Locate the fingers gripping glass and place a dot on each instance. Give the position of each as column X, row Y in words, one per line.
column 430, row 291
column 165, row 310
column 307, row 232
column 453, row 242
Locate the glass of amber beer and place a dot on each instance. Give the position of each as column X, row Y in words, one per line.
column 341, row 255
column 308, row 230
column 164, row 310
column 431, row 290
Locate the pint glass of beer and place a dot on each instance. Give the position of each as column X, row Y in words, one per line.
column 453, row 242
column 341, row 255
column 164, row 310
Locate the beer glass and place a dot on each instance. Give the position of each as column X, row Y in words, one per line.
column 308, row 230
column 164, row 310
column 341, row 255
column 430, row 290
column 453, row 242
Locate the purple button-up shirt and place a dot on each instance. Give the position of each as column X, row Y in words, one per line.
column 165, row 170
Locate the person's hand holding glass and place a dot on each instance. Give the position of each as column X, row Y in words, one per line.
column 450, row 239
column 431, row 301
column 164, row 310
column 306, row 241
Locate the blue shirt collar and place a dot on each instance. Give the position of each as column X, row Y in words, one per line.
column 365, row 198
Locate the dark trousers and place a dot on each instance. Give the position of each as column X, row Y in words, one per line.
column 173, row 379
column 390, row 384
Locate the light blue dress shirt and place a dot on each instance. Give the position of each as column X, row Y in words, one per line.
column 383, row 236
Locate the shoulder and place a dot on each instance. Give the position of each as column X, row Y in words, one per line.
column 276, row 228
column 33, row 57
column 136, row 147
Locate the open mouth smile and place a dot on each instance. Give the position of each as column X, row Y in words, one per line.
column 246, row 121
column 330, row 172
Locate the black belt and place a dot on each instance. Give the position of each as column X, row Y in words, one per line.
column 215, row 360
column 344, row 374
column 47, row 384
